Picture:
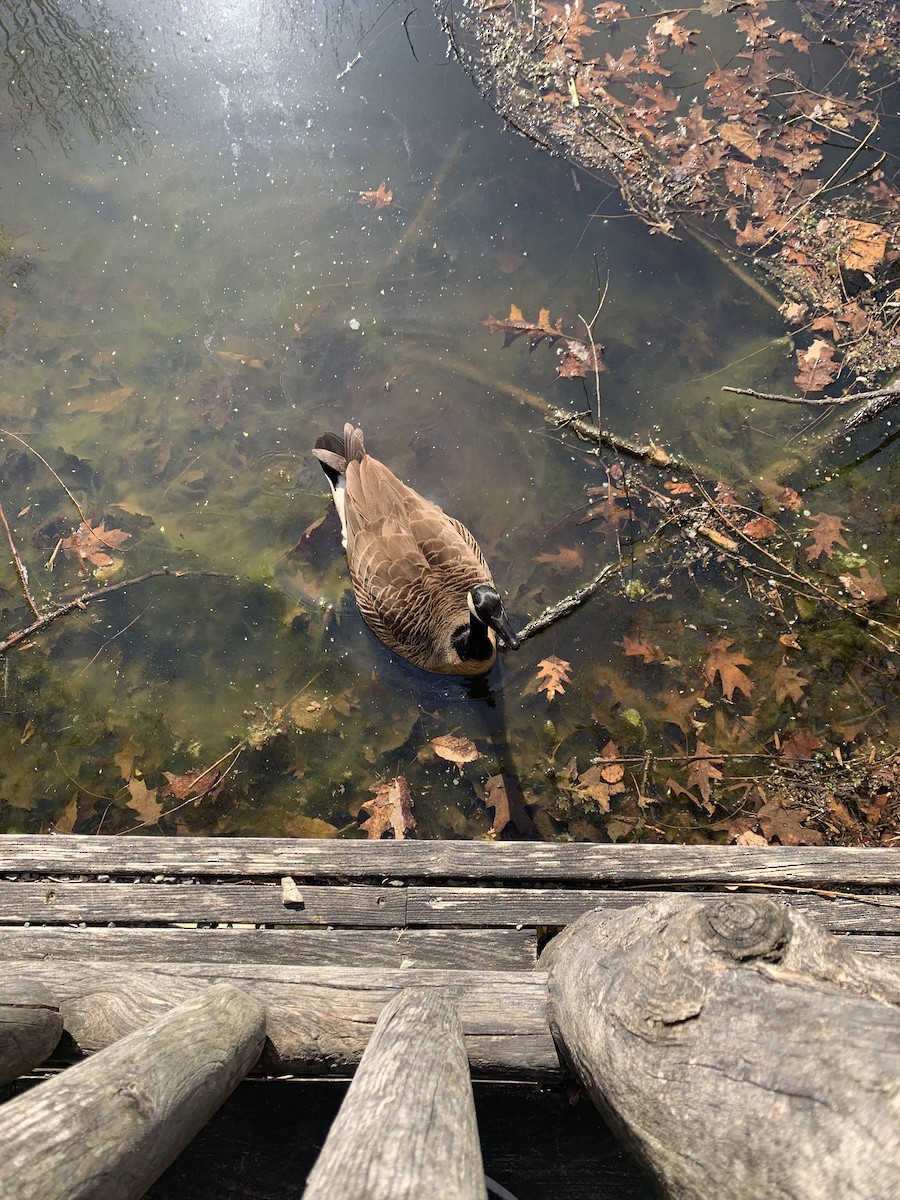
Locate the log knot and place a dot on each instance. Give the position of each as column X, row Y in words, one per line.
column 747, row 927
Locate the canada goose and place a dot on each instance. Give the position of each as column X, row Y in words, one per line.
column 420, row 580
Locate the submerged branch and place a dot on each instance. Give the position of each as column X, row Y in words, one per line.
column 570, row 603
column 82, row 601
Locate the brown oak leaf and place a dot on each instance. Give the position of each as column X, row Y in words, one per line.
column 760, row 528
column 390, row 810
column 553, row 673
column 89, row 543
column 726, row 663
column 704, row 772
column 817, row 368
column 641, row 648
column 865, row 588
column 569, row 558
column 825, row 534
column 788, row 682
column 202, row 784
column 801, row 745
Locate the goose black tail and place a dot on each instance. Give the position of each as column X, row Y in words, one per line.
column 334, row 451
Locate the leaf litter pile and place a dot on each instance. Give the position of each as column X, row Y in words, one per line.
column 705, row 658
column 761, row 140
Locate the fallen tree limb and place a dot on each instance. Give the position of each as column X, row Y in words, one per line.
column 82, row 601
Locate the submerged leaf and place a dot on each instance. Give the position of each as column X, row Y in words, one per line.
column 391, row 810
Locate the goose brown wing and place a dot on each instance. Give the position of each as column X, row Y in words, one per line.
column 411, row 564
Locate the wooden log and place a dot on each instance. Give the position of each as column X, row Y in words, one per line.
column 318, row 1018
column 107, row 1128
column 742, row 1051
column 309, row 858
column 407, row 1126
column 30, row 1026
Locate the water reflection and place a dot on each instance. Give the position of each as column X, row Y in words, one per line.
column 74, row 67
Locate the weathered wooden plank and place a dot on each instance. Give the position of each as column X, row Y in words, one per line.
column 318, row 1018
column 742, row 1051
column 45, row 903
column 430, row 906
column 42, row 903
column 407, row 1126
column 333, row 859
column 469, row 949
column 109, row 1127
column 30, row 1026
column 877, row 944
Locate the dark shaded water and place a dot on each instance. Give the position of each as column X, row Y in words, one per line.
column 191, row 290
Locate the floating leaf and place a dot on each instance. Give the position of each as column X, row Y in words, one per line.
column 553, row 674
column 789, row 683
column 569, row 558
column 89, row 543
column 868, row 246
column 380, row 197
column 817, row 368
column 760, row 528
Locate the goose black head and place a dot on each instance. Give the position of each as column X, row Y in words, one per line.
column 485, row 604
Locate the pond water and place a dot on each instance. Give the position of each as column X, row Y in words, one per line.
column 194, row 285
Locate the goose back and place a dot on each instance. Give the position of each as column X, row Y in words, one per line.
column 412, row 566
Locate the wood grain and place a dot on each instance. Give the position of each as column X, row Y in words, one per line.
column 319, row 1018
column 741, row 1050
column 334, row 860
column 470, row 949
column 109, row 1127
column 407, row 1126
column 30, row 1026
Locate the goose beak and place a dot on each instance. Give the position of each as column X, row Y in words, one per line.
column 501, row 626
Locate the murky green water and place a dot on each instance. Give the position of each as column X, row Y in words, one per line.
column 191, row 291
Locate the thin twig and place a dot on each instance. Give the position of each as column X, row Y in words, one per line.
column 20, row 567
column 413, row 230
column 86, row 598
column 570, row 603
column 78, row 508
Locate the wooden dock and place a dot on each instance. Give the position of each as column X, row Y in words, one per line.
column 326, row 937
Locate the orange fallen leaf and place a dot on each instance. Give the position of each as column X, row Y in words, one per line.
column 703, row 772
column 570, row 558
column 553, row 674
column 89, row 543
column 640, row 648
column 816, row 367
column 789, row 683
column 611, row 770
column 380, row 197
column 867, row 248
